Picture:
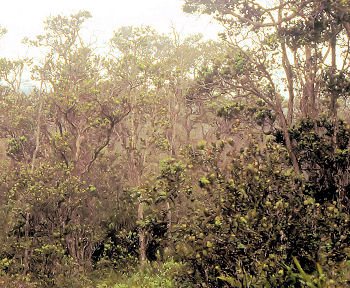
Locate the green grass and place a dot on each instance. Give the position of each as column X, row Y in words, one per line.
column 150, row 275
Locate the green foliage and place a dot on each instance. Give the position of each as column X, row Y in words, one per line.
column 167, row 274
column 15, row 147
column 171, row 179
column 118, row 250
column 318, row 281
column 256, row 112
column 50, row 230
column 2, row 31
column 252, row 217
column 324, row 167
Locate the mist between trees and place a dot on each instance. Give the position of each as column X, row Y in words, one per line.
column 179, row 162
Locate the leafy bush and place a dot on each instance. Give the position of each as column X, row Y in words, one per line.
column 51, row 229
column 253, row 216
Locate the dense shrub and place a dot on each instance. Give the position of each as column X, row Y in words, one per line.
column 52, row 230
column 253, row 216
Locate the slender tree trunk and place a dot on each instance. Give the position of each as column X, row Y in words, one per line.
column 289, row 74
column 26, row 250
column 334, row 96
column 169, row 215
column 78, row 142
column 308, row 101
column 173, row 137
column 286, row 135
column 288, row 71
column 136, row 178
column 37, row 141
column 141, row 230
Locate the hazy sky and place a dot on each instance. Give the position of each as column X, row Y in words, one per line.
column 25, row 18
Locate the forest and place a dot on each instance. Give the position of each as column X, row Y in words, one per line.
column 170, row 161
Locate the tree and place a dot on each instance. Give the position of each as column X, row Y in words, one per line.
column 286, row 58
column 155, row 71
column 73, row 115
column 84, row 109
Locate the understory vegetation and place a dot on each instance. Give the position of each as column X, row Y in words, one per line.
column 180, row 162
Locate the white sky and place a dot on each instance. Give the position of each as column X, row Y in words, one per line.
column 24, row 18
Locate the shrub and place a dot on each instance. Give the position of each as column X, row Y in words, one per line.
column 253, row 216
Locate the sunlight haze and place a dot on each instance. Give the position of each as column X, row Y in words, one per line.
column 25, row 19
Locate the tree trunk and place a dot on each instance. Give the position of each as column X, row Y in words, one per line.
column 169, row 215
column 289, row 74
column 333, row 95
column 26, row 250
column 141, row 230
column 308, row 101
column 290, row 82
column 37, row 141
column 286, row 135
